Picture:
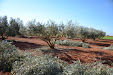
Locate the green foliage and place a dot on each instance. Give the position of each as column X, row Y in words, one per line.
column 108, row 37
column 8, row 54
column 35, row 28
column 11, row 29
column 52, row 28
column 61, row 29
column 47, row 65
column 109, row 48
column 73, row 30
column 96, row 68
column 23, row 30
column 49, row 38
column 82, row 33
column 41, row 28
column 14, row 27
column 72, row 43
column 32, row 29
column 3, row 26
column 50, row 34
column 38, row 65
column 70, row 30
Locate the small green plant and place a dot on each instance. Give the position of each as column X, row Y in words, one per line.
column 38, row 65
column 48, row 65
column 8, row 54
column 72, row 43
column 109, row 48
column 96, row 68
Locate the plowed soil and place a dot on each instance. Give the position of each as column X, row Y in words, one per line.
column 68, row 53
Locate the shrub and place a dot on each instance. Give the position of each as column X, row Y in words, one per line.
column 38, row 65
column 72, row 43
column 109, row 48
column 96, row 68
column 8, row 54
column 47, row 65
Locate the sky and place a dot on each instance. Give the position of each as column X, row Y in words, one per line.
column 97, row 14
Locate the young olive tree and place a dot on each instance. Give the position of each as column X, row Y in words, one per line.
column 93, row 33
column 83, row 33
column 101, row 34
column 96, row 34
column 70, row 30
column 50, row 39
column 49, row 35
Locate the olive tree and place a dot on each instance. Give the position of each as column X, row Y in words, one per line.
column 70, row 30
column 93, row 33
column 49, row 35
column 34, row 28
column 52, row 27
column 61, row 29
column 96, row 34
column 101, row 34
column 46, row 32
column 83, row 33
column 3, row 27
column 23, row 30
column 49, row 38
column 14, row 27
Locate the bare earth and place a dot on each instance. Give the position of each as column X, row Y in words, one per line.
column 67, row 53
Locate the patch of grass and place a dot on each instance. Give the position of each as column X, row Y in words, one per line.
column 108, row 37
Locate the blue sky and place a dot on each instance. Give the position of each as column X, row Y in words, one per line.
column 90, row 13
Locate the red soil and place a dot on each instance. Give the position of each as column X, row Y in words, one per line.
column 67, row 53
column 6, row 73
column 86, row 55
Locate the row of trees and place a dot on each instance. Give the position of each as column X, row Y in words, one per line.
column 49, row 32
column 10, row 28
column 84, row 33
column 70, row 30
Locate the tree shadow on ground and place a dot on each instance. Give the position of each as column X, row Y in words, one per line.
column 105, row 40
column 26, row 45
column 71, row 55
column 106, row 60
column 99, row 44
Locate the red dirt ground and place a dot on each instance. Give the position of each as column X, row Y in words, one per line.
column 86, row 55
column 6, row 73
column 67, row 53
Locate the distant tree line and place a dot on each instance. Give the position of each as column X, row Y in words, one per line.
column 49, row 32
